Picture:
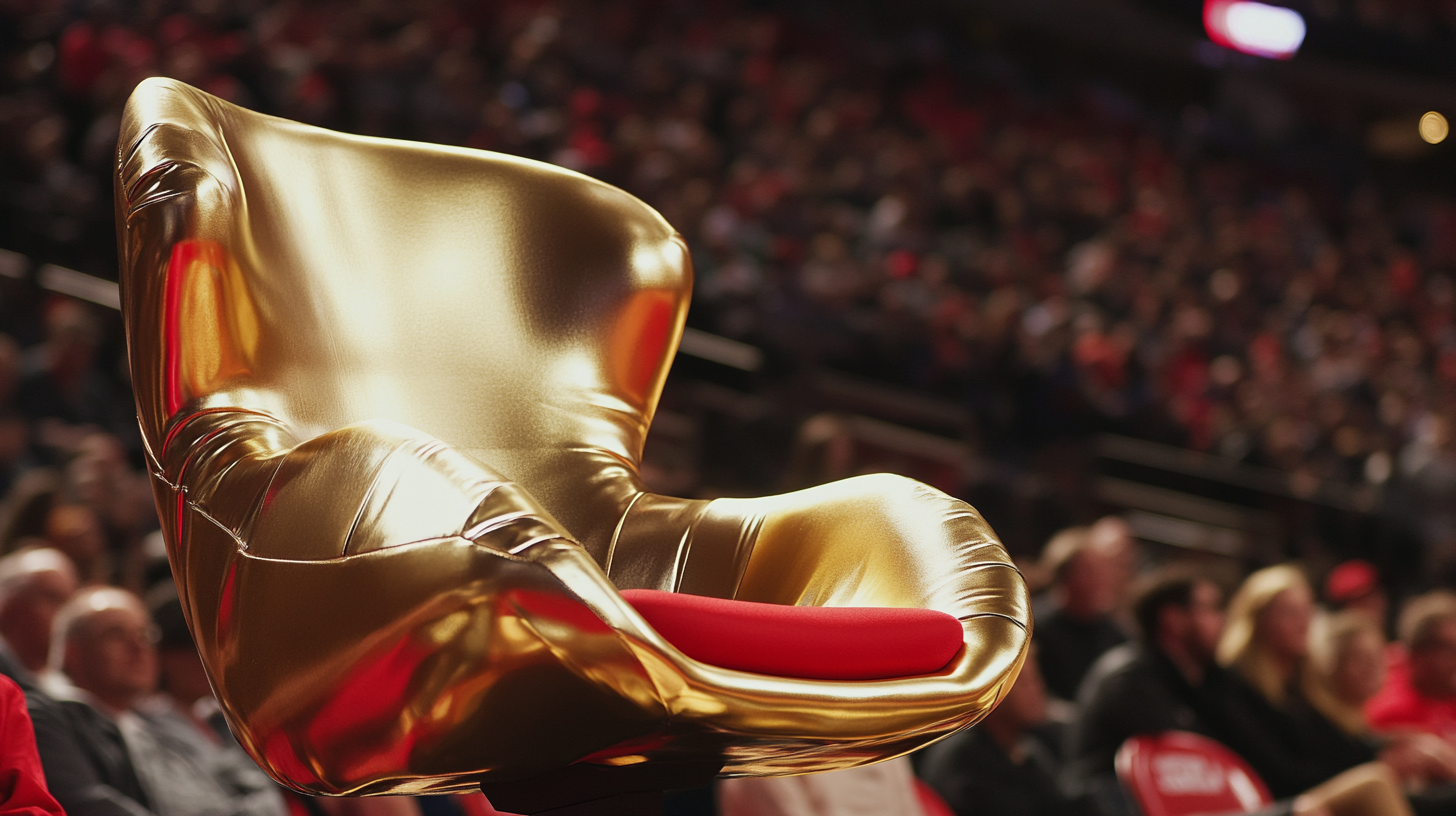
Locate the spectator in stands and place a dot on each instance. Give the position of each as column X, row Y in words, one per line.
column 61, row 387
column 1420, row 693
column 1112, row 536
column 1169, row 681
column 26, row 508
column 99, row 476
column 24, row 790
column 1265, row 712
column 1348, row 658
column 186, row 714
column 34, row 584
column 184, row 690
column 75, row 530
column 103, row 645
column 102, row 754
column 1080, row 626
column 1154, row 684
column 999, row 766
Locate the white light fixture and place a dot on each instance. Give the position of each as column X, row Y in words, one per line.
column 1254, row 28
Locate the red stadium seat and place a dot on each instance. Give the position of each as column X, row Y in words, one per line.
column 1180, row 774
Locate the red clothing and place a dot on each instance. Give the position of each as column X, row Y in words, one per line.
column 22, row 782
column 1399, row 707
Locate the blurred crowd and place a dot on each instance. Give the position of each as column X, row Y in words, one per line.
column 860, row 191
column 1298, row 678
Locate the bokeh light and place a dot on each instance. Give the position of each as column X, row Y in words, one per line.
column 1434, row 128
column 1254, row 28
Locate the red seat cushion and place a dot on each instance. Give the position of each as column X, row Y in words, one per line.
column 809, row 642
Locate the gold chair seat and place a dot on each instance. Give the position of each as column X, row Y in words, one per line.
column 394, row 397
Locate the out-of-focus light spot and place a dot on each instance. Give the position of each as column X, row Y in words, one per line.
column 1434, row 128
column 1254, row 28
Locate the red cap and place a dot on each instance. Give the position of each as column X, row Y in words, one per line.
column 1351, row 581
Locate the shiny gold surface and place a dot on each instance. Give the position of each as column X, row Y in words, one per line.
column 386, row 387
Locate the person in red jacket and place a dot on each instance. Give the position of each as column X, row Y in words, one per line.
column 23, row 789
column 1420, row 692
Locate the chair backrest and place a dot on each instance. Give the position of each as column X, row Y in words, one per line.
column 524, row 314
column 1181, row 774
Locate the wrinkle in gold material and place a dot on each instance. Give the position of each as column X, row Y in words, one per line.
column 394, row 396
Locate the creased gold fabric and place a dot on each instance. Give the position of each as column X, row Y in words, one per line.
column 394, row 396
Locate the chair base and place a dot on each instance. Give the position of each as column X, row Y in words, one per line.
column 598, row 790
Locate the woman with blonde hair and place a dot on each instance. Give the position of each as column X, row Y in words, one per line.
column 1268, row 714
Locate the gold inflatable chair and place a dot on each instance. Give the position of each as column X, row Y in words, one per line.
column 394, row 397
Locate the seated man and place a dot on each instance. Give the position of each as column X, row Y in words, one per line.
column 185, row 697
column 998, row 766
column 105, row 757
column 1420, row 695
column 1079, row 627
column 33, row 585
column 1152, row 685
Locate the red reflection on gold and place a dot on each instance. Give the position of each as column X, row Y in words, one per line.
column 639, row 342
column 363, row 712
column 210, row 326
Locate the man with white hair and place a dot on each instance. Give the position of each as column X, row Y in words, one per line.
column 34, row 584
column 105, row 757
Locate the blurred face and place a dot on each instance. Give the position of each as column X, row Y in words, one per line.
column 1113, row 538
column 74, row 530
column 1092, row 584
column 71, row 336
column 112, row 655
column 25, row 621
column 1373, row 605
column 1205, row 621
column 1284, row 623
column 13, row 436
column 1359, row 669
column 1026, row 703
column 183, row 677
column 1433, row 667
column 97, row 468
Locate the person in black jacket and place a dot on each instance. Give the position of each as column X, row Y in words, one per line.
column 1149, row 686
column 1170, row 681
column 78, row 728
column 1267, row 708
column 1078, row 626
column 86, row 762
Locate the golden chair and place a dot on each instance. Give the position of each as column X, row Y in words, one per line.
column 394, row 397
